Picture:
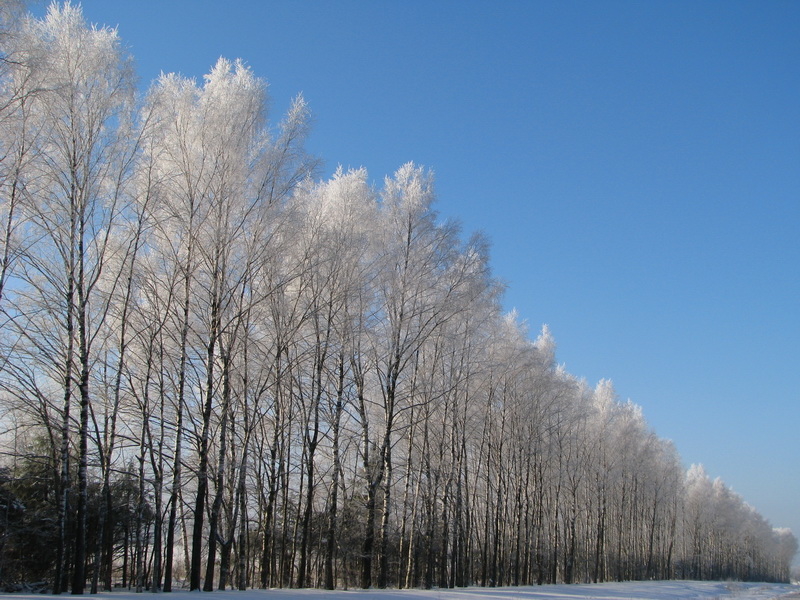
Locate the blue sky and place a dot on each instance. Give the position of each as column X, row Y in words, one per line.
column 635, row 165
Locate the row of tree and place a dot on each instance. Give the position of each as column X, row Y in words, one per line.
column 216, row 371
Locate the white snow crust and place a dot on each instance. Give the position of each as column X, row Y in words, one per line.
column 648, row 590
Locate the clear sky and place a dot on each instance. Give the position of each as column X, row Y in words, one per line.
column 635, row 165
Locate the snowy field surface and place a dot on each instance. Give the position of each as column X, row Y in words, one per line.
column 649, row 590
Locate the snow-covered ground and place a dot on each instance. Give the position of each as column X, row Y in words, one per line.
column 650, row 590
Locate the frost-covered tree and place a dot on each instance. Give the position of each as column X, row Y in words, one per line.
column 19, row 65
column 79, row 159
column 222, row 176
column 419, row 287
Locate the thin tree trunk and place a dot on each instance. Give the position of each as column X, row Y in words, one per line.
column 275, row 467
column 63, row 503
column 79, row 572
column 311, row 442
column 213, row 525
column 202, row 470
column 177, row 463
column 242, row 549
column 374, row 475
column 140, row 503
column 330, row 547
column 383, row 572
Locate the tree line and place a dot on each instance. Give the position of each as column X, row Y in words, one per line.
column 217, row 371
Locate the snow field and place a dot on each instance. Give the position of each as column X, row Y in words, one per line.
column 636, row 590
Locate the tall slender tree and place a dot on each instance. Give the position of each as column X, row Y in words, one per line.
column 84, row 94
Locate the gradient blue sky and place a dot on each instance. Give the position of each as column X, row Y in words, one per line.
column 635, row 165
